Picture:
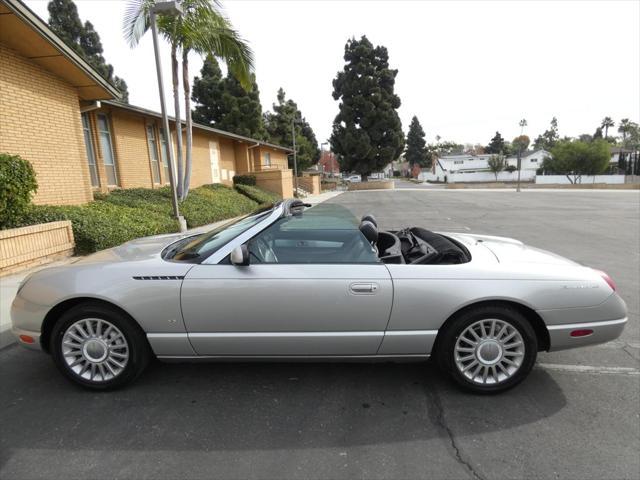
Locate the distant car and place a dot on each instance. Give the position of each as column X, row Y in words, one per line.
column 291, row 282
column 353, row 178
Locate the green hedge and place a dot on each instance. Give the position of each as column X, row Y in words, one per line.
column 17, row 183
column 204, row 205
column 124, row 215
column 99, row 225
column 244, row 180
column 257, row 194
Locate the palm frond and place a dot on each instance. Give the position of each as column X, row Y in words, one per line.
column 136, row 20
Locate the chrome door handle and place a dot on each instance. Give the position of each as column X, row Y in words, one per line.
column 363, row 288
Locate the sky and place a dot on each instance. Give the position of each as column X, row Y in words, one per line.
column 465, row 68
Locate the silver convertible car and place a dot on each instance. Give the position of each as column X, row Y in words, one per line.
column 292, row 282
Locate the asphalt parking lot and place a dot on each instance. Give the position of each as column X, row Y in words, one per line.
column 577, row 416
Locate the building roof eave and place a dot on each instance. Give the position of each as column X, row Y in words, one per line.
column 65, row 64
column 151, row 113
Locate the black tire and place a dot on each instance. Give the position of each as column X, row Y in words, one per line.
column 138, row 350
column 446, row 347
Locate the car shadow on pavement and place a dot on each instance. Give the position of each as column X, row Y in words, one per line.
column 227, row 406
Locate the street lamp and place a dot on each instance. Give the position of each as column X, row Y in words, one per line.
column 172, row 8
column 523, row 123
column 322, row 155
column 295, row 157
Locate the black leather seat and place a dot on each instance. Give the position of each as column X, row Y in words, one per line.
column 370, row 231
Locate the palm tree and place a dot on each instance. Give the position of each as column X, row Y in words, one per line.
column 607, row 122
column 624, row 128
column 202, row 28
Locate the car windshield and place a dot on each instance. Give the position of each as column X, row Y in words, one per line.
column 196, row 249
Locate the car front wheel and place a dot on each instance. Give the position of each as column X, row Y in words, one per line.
column 489, row 349
column 98, row 347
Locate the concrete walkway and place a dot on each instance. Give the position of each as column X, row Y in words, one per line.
column 9, row 284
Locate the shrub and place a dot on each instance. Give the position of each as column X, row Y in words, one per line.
column 17, row 184
column 244, row 179
column 212, row 203
column 99, row 225
column 204, row 205
column 124, row 215
column 257, row 194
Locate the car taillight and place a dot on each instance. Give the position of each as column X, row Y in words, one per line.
column 607, row 279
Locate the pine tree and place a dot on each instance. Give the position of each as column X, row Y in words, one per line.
column 224, row 104
column 549, row 138
column 279, row 127
column 367, row 132
column 416, row 153
column 83, row 39
column 496, row 145
column 65, row 22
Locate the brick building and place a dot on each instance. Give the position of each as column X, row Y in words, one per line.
column 58, row 113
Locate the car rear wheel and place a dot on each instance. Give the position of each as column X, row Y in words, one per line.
column 488, row 349
column 98, row 347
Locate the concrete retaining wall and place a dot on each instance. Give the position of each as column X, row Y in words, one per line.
column 563, row 180
column 26, row 247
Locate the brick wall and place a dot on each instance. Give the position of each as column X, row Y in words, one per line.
column 131, row 149
column 40, row 121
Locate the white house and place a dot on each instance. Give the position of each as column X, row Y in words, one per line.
column 475, row 168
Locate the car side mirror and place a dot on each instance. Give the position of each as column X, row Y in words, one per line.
column 240, row 256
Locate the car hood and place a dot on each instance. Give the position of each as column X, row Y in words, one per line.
column 509, row 250
column 140, row 249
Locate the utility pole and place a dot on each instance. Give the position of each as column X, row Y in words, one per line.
column 295, row 158
column 167, row 8
column 523, row 123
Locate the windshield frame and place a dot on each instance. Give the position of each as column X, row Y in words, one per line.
column 263, row 223
column 245, row 236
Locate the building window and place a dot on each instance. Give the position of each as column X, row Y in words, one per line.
column 153, row 153
column 534, row 160
column 106, row 147
column 164, row 155
column 91, row 154
column 266, row 159
column 458, row 162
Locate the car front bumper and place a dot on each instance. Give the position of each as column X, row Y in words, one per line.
column 26, row 322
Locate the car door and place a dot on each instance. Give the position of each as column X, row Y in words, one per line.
column 325, row 295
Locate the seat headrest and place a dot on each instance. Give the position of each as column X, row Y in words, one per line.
column 369, row 218
column 370, row 231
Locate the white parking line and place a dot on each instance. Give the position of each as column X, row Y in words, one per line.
column 590, row 369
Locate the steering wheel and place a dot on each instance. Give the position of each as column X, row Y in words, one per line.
column 265, row 253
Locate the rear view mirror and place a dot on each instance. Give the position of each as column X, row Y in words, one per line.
column 240, row 256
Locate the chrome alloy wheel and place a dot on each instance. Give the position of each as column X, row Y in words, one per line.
column 489, row 351
column 95, row 349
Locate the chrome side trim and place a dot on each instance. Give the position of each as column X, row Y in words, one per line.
column 603, row 331
column 587, row 324
column 283, row 334
column 407, row 342
column 288, row 358
column 411, row 332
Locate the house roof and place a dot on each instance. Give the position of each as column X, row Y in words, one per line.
column 223, row 133
column 614, row 150
column 25, row 32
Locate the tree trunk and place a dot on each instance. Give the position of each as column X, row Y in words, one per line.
column 187, row 115
column 176, row 106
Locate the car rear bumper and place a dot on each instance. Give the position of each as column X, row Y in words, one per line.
column 561, row 339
